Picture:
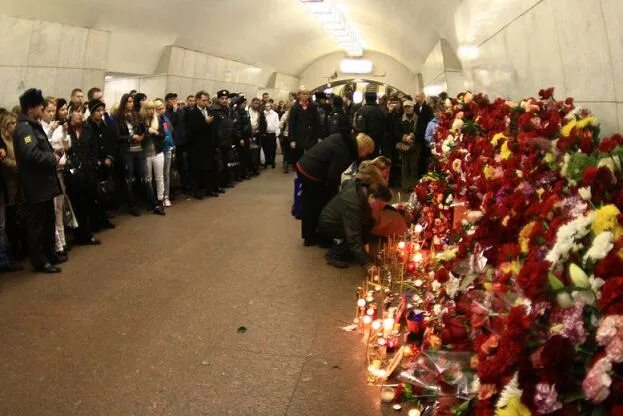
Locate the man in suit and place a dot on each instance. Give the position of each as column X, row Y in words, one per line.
column 201, row 148
column 37, row 168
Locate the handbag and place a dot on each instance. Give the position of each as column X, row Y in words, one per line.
column 106, row 191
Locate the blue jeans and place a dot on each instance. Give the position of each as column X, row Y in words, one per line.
column 168, row 154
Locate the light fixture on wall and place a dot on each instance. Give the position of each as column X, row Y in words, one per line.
column 468, row 52
column 336, row 24
column 356, row 66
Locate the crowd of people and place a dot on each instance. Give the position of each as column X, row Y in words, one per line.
column 67, row 166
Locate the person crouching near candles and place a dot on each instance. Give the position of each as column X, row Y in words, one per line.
column 321, row 169
column 36, row 162
column 81, row 174
column 349, row 218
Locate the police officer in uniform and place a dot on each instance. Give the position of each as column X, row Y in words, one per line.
column 37, row 168
column 223, row 129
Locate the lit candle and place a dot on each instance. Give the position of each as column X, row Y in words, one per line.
column 418, row 257
column 388, row 326
column 402, row 245
column 361, row 303
column 367, row 320
column 388, row 394
column 414, row 412
column 418, row 228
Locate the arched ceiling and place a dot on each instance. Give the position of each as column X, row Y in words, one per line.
column 279, row 33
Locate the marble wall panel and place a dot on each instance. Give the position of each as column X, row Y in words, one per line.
column 45, row 44
column 96, row 53
column 188, row 65
column 176, row 62
column 72, row 47
column 211, row 67
column 11, row 84
column 93, row 78
column 220, row 70
column 613, row 16
column 116, row 87
column 619, row 107
column 41, row 78
column 66, row 80
column 584, row 49
column 201, row 66
column 15, row 37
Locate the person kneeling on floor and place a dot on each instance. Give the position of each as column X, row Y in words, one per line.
column 349, row 217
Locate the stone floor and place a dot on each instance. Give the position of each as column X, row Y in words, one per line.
column 148, row 323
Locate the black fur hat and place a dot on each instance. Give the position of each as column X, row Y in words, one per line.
column 31, row 98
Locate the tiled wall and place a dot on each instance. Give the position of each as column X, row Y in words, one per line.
column 573, row 45
column 53, row 57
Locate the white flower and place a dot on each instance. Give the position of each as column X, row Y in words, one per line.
column 564, row 300
column 437, row 309
column 435, row 286
column 510, row 390
column 585, row 193
column 566, row 236
column 602, row 244
column 452, row 286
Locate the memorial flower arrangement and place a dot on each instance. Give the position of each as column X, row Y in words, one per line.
column 522, row 214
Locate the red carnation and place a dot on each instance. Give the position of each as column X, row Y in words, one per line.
column 546, row 94
column 611, row 301
column 441, row 275
column 533, row 278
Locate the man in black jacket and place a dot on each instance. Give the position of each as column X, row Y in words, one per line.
column 242, row 133
column 320, row 170
column 37, row 168
column 349, row 217
column 201, row 148
column 424, row 115
column 223, row 130
column 177, row 117
column 106, row 140
column 372, row 120
column 323, row 113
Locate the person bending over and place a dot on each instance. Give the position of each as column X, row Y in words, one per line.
column 349, row 217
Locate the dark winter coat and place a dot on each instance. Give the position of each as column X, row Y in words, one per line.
column 200, row 139
column 178, row 121
column 105, row 136
column 242, row 125
column 304, row 125
column 372, row 120
column 36, row 161
column 348, row 217
column 124, row 138
column 82, row 161
column 424, row 114
column 326, row 161
column 222, row 126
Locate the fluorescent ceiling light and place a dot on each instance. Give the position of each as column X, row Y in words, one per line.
column 334, row 21
column 356, row 66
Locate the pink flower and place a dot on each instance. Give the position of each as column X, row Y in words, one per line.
column 614, row 349
column 596, row 385
column 609, row 328
column 546, row 398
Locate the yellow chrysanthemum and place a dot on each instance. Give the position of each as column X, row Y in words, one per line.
column 514, row 408
column 549, row 157
column 489, row 172
column 566, row 130
column 524, row 237
column 505, row 151
column 496, row 139
column 588, row 121
column 606, row 219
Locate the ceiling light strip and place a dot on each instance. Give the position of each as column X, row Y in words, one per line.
column 336, row 24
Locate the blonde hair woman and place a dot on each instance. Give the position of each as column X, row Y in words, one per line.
column 154, row 146
column 48, row 116
column 167, row 149
column 12, row 221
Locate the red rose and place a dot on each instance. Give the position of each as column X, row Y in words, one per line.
column 442, row 275
column 589, row 175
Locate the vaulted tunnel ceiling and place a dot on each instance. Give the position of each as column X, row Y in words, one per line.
column 278, row 33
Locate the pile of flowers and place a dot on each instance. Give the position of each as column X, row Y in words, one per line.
column 531, row 270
